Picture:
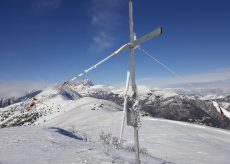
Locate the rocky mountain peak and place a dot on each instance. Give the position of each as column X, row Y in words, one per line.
column 84, row 82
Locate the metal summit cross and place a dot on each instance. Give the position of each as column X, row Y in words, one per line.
column 133, row 112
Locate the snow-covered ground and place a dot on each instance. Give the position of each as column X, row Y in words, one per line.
column 37, row 145
column 165, row 140
column 175, row 141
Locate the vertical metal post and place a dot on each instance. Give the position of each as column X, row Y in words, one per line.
column 125, row 105
column 134, row 88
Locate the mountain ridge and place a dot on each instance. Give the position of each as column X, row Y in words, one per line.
column 154, row 102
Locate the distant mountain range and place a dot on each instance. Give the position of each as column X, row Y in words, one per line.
column 168, row 104
column 69, row 112
column 8, row 101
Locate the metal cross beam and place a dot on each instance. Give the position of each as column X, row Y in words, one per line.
column 147, row 37
column 125, row 47
column 133, row 112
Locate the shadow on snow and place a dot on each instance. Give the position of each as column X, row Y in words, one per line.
column 66, row 133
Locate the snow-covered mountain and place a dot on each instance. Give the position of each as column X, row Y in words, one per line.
column 154, row 102
column 168, row 104
column 59, row 139
column 62, row 114
column 201, row 93
column 8, row 101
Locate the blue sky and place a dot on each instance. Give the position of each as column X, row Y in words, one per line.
column 53, row 40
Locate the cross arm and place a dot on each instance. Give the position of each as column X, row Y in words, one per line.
column 147, row 37
column 119, row 51
column 125, row 47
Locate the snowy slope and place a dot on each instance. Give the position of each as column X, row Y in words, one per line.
column 185, row 143
column 37, row 145
column 169, row 141
column 83, row 109
column 154, row 102
column 175, row 141
column 8, row 101
column 48, row 102
column 219, row 109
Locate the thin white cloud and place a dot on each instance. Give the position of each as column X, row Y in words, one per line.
column 18, row 88
column 102, row 40
column 105, row 19
column 216, row 79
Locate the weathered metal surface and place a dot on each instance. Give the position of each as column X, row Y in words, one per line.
column 147, row 37
column 125, row 105
column 119, row 51
column 134, row 87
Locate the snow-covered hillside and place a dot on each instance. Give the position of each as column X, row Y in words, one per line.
column 175, row 141
column 166, row 142
column 69, row 109
column 8, row 101
column 202, row 93
column 37, row 145
column 154, row 102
